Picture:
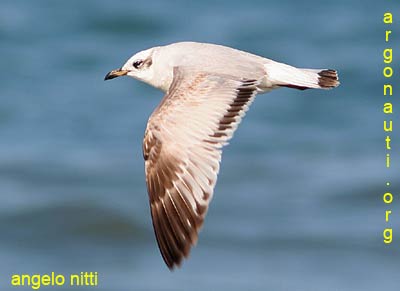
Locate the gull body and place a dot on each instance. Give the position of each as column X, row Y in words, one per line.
column 208, row 90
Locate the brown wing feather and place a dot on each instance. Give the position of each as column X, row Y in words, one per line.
column 182, row 151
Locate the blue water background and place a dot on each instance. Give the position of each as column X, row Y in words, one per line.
column 298, row 204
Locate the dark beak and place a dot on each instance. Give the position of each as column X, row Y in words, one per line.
column 115, row 73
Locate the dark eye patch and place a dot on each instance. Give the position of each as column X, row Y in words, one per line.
column 137, row 63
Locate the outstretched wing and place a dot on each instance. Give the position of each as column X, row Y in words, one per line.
column 182, row 152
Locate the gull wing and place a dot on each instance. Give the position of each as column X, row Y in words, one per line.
column 182, row 150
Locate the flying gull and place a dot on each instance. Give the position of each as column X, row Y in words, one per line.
column 208, row 89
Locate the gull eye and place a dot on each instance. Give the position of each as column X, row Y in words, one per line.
column 137, row 64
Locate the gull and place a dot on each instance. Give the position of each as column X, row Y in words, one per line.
column 208, row 89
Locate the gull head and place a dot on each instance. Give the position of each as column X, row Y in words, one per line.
column 140, row 66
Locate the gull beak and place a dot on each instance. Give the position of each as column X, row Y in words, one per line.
column 115, row 73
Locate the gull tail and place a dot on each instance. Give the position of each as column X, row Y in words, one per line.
column 282, row 75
